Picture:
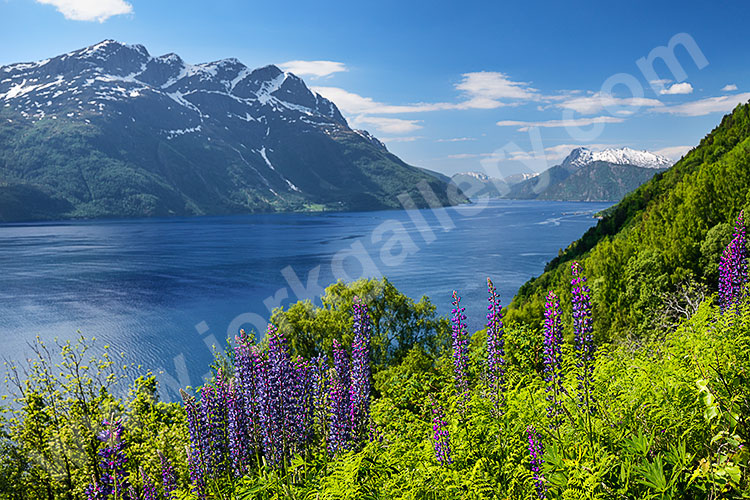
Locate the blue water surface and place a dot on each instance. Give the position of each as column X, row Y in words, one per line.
column 164, row 290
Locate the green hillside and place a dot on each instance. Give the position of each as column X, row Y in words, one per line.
column 663, row 236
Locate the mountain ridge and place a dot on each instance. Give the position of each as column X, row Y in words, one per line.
column 111, row 131
column 586, row 175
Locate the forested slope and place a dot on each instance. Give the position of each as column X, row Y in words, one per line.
column 664, row 236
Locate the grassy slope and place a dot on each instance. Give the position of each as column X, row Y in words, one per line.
column 660, row 235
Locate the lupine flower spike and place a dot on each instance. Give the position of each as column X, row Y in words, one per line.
column 583, row 331
column 360, row 376
column 733, row 267
column 114, row 481
column 339, row 424
column 495, row 346
column 536, row 453
column 149, row 490
column 459, row 346
column 168, row 476
column 553, row 373
column 440, row 436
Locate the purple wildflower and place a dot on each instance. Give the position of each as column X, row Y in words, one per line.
column 440, row 436
column 733, row 267
column 214, row 416
column 301, row 408
column 583, row 331
column 249, row 378
column 459, row 346
column 360, row 375
column 239, row 440
column 553, row 374
column 339, row 424
column 168, row 476
column 536, row 452
column 114, row 480
column 198, row 445
column 149, row 490
column 96, row 491
column 320, row 393
column 277, row 418
column 495, row 345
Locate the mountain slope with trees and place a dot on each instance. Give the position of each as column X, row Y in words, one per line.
column 662, row 240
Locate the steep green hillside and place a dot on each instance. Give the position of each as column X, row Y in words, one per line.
column 666, row 233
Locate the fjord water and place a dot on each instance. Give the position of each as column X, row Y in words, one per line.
column 164, row 290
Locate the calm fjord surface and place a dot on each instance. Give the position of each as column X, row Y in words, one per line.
column 145, row 286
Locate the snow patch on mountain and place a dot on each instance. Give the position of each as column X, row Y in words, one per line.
column 580, row 157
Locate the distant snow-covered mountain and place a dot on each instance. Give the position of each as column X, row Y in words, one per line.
column 580, row 157
column 586, row 175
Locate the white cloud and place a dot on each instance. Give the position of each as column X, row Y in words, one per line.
column 678, row 88
column 315, row 69
column 387, row 125
column 351, row 103
column 706, row 106
column 729, row 88
column 401, row 139
column 597, row 102
column 486, row 90
column 575, row 122
column 466, row 156
column 480, row 90
column 457, row 139
column 674, row 152
column 90, row 10
column 551, row 154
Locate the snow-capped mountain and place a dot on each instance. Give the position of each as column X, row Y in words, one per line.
column 580, row 157
column 586, row 175
column 111, row 130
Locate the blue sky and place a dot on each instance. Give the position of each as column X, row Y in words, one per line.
column 484, row 86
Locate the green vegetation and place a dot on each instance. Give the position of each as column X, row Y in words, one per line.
column 663, row 411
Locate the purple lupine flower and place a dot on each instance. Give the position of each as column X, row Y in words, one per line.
column 96, row 491
column 114, row 480
column 583, row 331
column 360, row 375
column 301, row 405
column 495, row 346
column 733, row 267
column 536, row 452
column 239, row 439
column 149, row 489
column 440, row 435
column 214, row 418
column 248, row 373
column 168, row 476
column 459, row 346
column 339, row 421
column 198, row 445
column 320, row 394
column 277, row 421
column 553, row 373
